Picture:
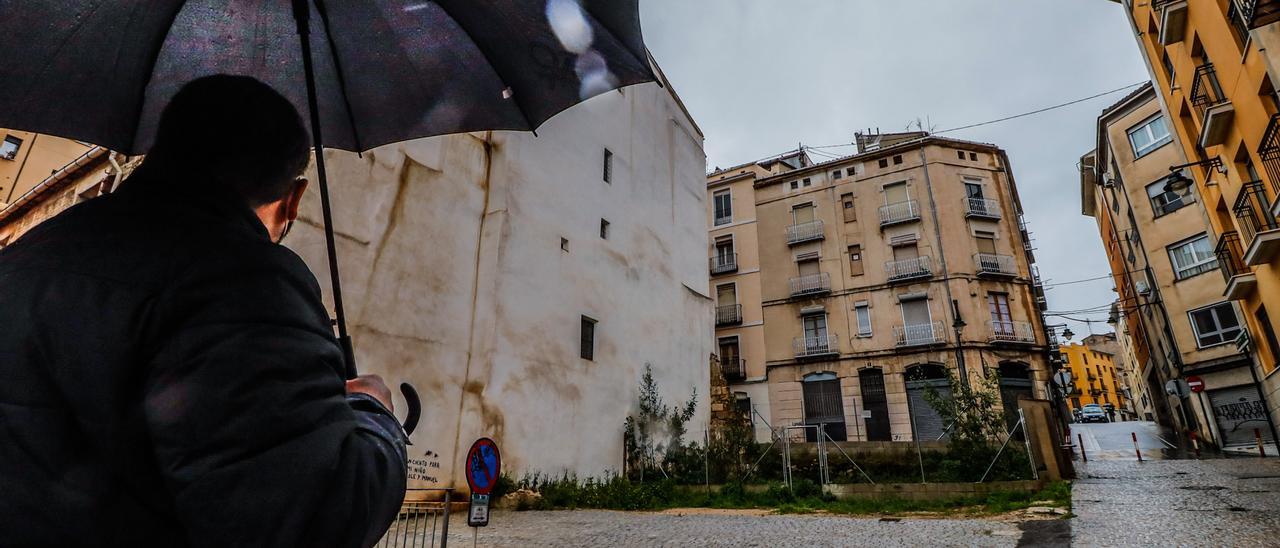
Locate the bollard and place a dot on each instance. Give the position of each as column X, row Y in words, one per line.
column 1195, row 444
column 1083, row 456
column 1257, row 436
column 1135, row 445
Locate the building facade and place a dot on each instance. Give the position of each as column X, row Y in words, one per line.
column 26, row 159
column 1211, row 63
column 1094, row 378
column 1133, row 392
column 880, row 275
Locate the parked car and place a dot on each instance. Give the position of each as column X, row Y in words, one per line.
column 1093, row 413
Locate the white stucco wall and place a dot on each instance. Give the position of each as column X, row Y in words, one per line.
column 455, row 280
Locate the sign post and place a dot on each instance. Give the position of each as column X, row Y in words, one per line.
column 483, row 467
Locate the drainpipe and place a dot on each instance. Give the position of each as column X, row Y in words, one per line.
column 942, row 260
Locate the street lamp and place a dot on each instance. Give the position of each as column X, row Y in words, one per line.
column 1179, row 183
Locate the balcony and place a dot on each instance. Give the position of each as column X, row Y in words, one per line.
column 733, row 368
column 724, row 264
column 1241, row 281
column 908, row 269
column 1269, row 151
column 1173, row 19
column 1211, row 105
column 919, row 335
column 1258, row 13
column 804, row 232
column 809, row 285
column 729, row 314
column 816, row 347
column 901, row 212
column 988, row 264
column 1258, row 228
column 981, row 208
column 1011, row 332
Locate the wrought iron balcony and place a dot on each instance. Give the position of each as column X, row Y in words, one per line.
column 1011, row 332
column 1258, row 228
column 1258, row 13
column 733, row 368
column 805, row 232
column 982, row 208
column 724, row 264
column 1211, row 105
column 908, row 269
column 1241, row 281
column 989, row 264
column 729, row 314
column 1269, row 151
column 901, row 212
column 812, row 284
column 919, row 334
column 810, row 347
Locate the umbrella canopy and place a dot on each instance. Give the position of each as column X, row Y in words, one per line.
column 100, row 71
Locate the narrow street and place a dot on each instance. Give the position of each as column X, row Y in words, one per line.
column 1163, row 500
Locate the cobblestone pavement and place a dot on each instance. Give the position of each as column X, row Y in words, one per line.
column 1218, row 502
column 604, row 528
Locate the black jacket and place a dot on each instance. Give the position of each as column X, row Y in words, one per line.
column 169, row 376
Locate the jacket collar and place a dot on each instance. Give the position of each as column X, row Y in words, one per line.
column 220, row 201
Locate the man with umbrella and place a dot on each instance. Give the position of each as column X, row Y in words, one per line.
column 171, row 373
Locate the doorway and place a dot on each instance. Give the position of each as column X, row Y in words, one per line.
column 875, row 404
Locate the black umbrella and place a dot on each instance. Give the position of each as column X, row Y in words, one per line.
column 368, row 72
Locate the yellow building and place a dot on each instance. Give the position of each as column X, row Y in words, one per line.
column 1210, row 62
column 1094, row 378
column 28, row 158
column 847, row 288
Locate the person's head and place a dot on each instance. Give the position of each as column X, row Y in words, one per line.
column 235, row 132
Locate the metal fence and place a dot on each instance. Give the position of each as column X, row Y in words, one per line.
column 423, row 520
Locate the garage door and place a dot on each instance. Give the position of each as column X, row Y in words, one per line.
column 1238, row 412
column 929, row 425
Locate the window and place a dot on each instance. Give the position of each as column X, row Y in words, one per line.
column 604, row 229
column 960, row 154
column 849, row 171
column 1215, row 325
column 836, row 175
column 1149, row 135
column 588, row 338
column 855, row 260
column 1165, row 202
column 815, row 328
column 846, row 204
column 863, row 313
column 723, row 204
column 884, row 162
column 795, row 185
column 564, row 245
column 729, row 350
column 807, row 182
column 1264, row 322
column 897, row 159
column 9, row 148
column 973, row 156
column 1168, row 68
column 803, row 213
column 724, row 250
column 608, row 166
column 1192, row 257
column 986, row 242
column 1001, row 319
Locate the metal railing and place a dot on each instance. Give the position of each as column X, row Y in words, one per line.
column 1256, row 13
column 728, row 314
column 733, row 368
column 900, row 212
column 908, row 269
column 810, row 284
column 724, row 263
column 1253, row 211
column 815, row 346
column 988, row 263
column 913, row 335
column 1205, row 91
column 1011, row 331
column 422, row 520
column 1269, row 151
column 723, row 220
column 1157, row 5
column 804, row 232
column 1230, row 256
column 982, row 207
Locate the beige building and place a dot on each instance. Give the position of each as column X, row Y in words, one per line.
column 26, row 159
column 1161, row 248
column 1133, row 392
column 878, row 275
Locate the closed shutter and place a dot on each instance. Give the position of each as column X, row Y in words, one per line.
column 929, row 424
column 1238, row 412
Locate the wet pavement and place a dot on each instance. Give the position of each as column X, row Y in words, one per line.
column 1115, row 440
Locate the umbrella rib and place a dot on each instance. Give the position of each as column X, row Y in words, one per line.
column 489, row 60
column 342, row 79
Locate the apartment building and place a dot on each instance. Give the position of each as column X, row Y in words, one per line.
column 1127, row 382
column 879, row 274
column 28, row 158
column 1159, row 243
column 1212, row 64
column 1094, row 379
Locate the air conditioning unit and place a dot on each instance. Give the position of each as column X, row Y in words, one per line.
column 1142, row 287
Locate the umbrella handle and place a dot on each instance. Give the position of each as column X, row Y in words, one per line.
column 414, row 405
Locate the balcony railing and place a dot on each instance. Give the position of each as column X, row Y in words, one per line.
column 1205, row 91
column 900, row 212
column 1258, row 13
column 1011, row 331
column 804, row 232
column 725, row 263
column 1253, row 211
column 733, row 368
column 920, row 334
column 981, row 207
column 1231, row 256
column 996, row 265
column 908, row 269
column 811, row 284
column 1269, row 151
column 808, row 347
column 729, row 314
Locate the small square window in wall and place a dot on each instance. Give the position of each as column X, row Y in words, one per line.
column 960, row 154
column 973, row 156
column 587, row 338
column 897, row 159
column 608, row 166
column 9, row 147
column 836, row 175
column 795, row 185
column 884, row 162
column 808, row 182
column 850, row 171
column 564, row 245
column 604, row 229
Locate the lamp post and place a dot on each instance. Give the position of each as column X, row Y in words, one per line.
column 1179, row 183
column 958, row 326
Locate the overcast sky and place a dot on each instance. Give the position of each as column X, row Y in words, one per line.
column 760, row 76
